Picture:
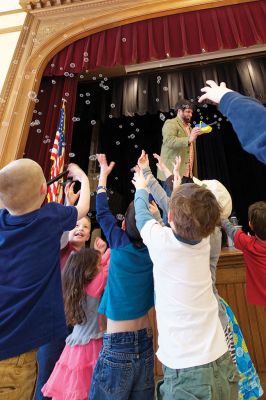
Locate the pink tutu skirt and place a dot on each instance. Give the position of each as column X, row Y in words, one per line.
column 71, row 377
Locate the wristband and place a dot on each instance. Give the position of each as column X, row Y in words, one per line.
column 101, row 187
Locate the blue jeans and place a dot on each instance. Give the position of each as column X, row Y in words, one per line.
column 124, row 370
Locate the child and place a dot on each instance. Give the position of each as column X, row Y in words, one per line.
column 254, row 250
column 31, row 307
column 83, row 285
column 192, row 345
column 125, row 366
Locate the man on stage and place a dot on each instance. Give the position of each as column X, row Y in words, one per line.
column 180, row 139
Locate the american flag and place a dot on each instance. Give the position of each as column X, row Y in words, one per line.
column 55, row 190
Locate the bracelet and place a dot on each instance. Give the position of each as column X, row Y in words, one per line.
column 101, row 187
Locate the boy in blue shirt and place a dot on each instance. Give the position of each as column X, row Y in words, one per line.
column 125, row 366
column 31, row 304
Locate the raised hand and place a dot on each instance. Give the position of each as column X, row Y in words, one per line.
column 214, row 92
column 177, row 177
column 161, row 166
column 153, row 207
column 105, row 168
column 71, row 196
column 75, row 172
column 139, row 180
column 143, row 161
column 100, row 245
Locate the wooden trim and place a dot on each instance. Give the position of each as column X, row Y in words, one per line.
column 17, row 28
column 18, row 11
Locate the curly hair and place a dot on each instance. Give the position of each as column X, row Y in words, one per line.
column 80, row 269
column 195, row 211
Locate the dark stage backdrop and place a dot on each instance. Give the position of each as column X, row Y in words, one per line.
column 220, row 155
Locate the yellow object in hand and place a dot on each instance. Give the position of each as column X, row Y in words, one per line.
column 204, row 128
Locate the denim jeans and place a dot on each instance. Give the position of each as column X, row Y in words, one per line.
column 124, row 370
column 18, row 377
column 217, row 380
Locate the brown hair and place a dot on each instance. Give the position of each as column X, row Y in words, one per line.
column 80, row 269
column 195, row 211
column 257, row 218
column 184, row 104
column 131, row 227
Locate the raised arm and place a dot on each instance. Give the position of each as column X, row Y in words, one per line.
column 153, row 185
column 247, row 115
column 83, row 205
column 114, row 234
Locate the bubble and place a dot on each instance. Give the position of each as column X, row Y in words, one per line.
column 55, row 106
column 93, row 122
column 205, row 105
column 38, row 130
column 88, row 94
column 45, row 141
column 120, row 217
column 124, row 39
column 32, row 124
column 137, row 129
column 215, row 116
column 207, row 118
column 136, row 146
column 32, row 95
column 87, row 102
column 74, row 119
column 106, row 87
column 116, row 178
column 72, row 65
column 144, row 91
column 66, row 94
column 66, row 73
column 112, row 105
column 52, row 65
column 132, row 191
column 201, row 117
column 46, row 137
column 198, row 110
column 15, row 62
column 33, row 71
column 61, row 68
column 105, row 79
column 42, row 90
column 35, row 111
column 165, row 89
column 157, row 100
column 37, row 122
column 81, row 76
column 120, row 126
column 162, row 116
column 159, row 78
column 132, row 136
column 85, row 54
column 39, row 113
column 48, row 140
column 86, row 60
column 110, row 116
column 100, row 75
column 172, row 114
column 191, row 100
column 93, row 157
column 36, row 100
column 117, row 143
column 71, row 75
column 78, row 119
column 81, row 95
column 53, row 82
column 131, row 123
column 220, row 119
column 94, row 78
column 71, row 155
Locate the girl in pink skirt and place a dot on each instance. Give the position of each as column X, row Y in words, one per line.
column 84, row 279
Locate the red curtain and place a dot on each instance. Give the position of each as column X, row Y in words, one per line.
column 228, row 27
column 45, row 119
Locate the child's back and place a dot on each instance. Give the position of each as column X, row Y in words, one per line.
column 31, row 307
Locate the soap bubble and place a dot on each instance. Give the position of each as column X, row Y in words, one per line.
column 105, row 79
column 39, row 113
column 38, row 130
column 219, row 119
column 117, row 143
column 112, row 105
column 120, row 217
column 32, row 95
column 106, row 87
column 81, row 76
column 86, row 59
column 132, row 136
column 165, row 89
column 137, row 129
column 81, row 95
column 53, row 82
column 66, row 94
column 87, row 102
column 72, row 65
column 94, row 78
column 162, row 116
column 136, row 146
column 92, row 194
column 215, row 116
column 88, row 94
column 93, row 122
column 71, row 75
column 157, row 100
column 144, row 91
column 93, row 157
column 15, row 62
column 110, row 116
column 132, row 191
column 71, row 155
column 66, row 73
column 198, row 110
column 116, row 178
column 85, row 54
column 124, row 39
column 120, row 126
column 100, row 75
column 131, row 123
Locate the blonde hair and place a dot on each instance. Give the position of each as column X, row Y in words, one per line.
column 20, row 184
